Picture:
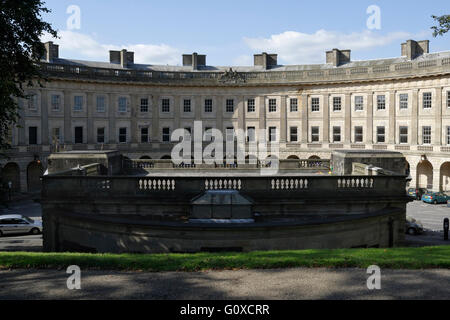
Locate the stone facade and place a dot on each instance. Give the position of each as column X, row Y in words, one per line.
column 400, row 104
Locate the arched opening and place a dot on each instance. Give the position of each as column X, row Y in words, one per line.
column 445, row 177
column 145, row 158
column 425, row 175
column 11, row 173
column 34, row 173
column 314, row 158
column 293, row 158
column 166, row 157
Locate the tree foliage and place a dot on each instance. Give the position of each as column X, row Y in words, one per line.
column 21, row 27
column 443, row 25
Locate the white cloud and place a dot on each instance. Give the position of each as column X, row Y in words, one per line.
column 243, row 60
column 299, row 48
column 82, row 46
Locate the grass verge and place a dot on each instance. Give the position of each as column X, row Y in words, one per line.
column 396, row 258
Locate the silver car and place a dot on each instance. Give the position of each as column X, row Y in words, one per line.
column 11, row 224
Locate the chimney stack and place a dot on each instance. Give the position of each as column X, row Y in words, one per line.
column 338, row 57
column 265, row 60
column 123, row 57
column 412, row 49
column 194, row 60
column 51, row 51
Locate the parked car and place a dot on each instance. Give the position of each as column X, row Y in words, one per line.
column 11, row 224
column 413, row 227
column 417, row 193
column 435, row 197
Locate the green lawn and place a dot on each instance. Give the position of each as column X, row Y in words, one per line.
column 397, row 258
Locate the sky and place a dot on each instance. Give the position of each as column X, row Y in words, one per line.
column 229, row 32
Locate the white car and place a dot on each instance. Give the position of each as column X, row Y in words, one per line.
column 14, row 223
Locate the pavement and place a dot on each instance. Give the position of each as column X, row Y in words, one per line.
column 283, row 284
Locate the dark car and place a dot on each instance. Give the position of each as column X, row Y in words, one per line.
column 417, row 193
column 413, row 227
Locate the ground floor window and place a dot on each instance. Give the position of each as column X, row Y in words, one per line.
column 358, row 134
column 426, row 135
column 403, row 134
column 123, row 135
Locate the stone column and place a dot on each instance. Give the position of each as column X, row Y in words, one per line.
column 304, row 113
column 44, row 118
column 283, row 119
column 326, row 118
column 241, row 113
column 67, row 117
column 392, row 113
column 198, row 105
column 155, row 118
column 262, row 112
column 436, row 179
column 134, row 112
column 177, row 112
column 112, row 119
column 437, row 137
column 414, row 117
column 348, row 118
column 90, row 105
column 369, row 123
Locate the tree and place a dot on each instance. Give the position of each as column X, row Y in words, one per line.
column 21, row 27
column 443, row 25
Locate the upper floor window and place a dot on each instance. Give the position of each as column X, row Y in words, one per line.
column 403, row 134
column 230, row 134
column 381, row 134
column 448, row 135
column 187, row 105
column 427, row 102
column 208, row 134
column 358, row 134
column 426, row 135
column 78, row 103
column 101, row 107
column 272, row 134
column 122, row 135
column 166, row 134
column 251, row 136
column 294, row 134
column 144, row 105
column 230, row 105
column 448, row 99
column 100, row 135
column 381, row 102
column 56, row 135
column 315, row 134
column 251, row 105
column 337, row 104
column 315, row 104
column 122, row 104
column 56, row 102
column 359, row 103
column 336, row 134
column 32, row 135
column 144, row 135
column 32, row 102
column 272, row 105
column 404, row 101
column 165, row 105
column 294, row 105
column 208, row 105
